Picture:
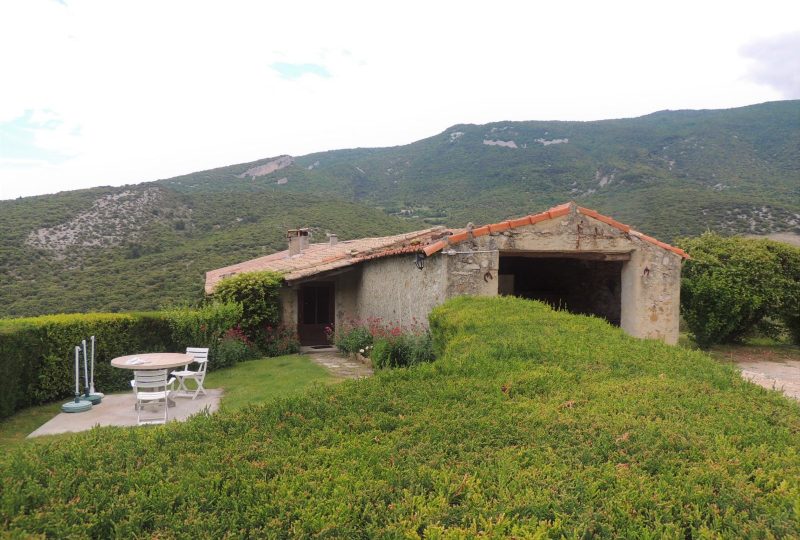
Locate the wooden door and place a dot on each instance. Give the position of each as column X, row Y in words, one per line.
column 315, row 312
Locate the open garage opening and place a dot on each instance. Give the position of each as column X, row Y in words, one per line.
column 583, row 283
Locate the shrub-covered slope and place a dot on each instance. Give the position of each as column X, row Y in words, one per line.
column 140, row 247
column 532, row 422
column 669, row 173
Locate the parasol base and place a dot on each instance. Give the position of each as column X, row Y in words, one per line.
column 76, row 406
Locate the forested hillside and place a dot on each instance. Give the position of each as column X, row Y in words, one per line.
column 669, row 174
column 142, row 247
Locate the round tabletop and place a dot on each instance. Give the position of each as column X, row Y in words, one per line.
column 152, row 361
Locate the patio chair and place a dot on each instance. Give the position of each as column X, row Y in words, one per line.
column 152, row 388
column 201, row 358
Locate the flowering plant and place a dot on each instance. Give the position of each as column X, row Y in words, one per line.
column 375, row 338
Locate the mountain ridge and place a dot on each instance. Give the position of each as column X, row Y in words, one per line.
column 668, row 174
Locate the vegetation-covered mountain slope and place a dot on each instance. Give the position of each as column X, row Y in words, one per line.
column 668, row 174
column 575, row 430
column 141, row 247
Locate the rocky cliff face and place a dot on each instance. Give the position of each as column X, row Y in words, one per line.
column 111, row 220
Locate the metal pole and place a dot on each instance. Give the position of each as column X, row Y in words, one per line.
column 77, row 376
column 91, row 378
column 85, row 368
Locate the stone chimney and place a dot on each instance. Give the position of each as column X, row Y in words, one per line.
column 334, row 239
column 298, row 240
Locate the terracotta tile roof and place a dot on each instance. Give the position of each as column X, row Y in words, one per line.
column 556, row 211
column 324, row 257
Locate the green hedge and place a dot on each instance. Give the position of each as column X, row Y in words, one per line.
column 733, row 285
column 37, row 354
column 531, row 423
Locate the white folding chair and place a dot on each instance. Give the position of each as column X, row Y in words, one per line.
column 152, row 388
column 200, row 356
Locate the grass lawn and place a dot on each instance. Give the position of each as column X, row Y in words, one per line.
column 258, row 381
column 250, row 382
column 14, row 429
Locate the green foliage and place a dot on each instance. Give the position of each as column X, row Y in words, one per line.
column 731, row 285
column 532, row 423
column 789, row 311
column 229, row 351
column 278, row 341
column 404, row 350
column 203, row 326
column 257, row 293
column 37, row 355
column 669, row 174
column 352, row 339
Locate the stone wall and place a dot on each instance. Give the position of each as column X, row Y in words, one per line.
column 650, row 280
column 393, row 289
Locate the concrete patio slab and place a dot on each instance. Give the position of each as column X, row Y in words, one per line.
column 118, row 410
column 776, row 375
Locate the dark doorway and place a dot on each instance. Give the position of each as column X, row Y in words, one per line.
column 582, row 285
column 315, row 303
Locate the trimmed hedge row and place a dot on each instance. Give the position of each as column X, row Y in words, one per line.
column 37, row 354
column 531, row 424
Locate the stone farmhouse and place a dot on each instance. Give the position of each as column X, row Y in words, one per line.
column 571, row 257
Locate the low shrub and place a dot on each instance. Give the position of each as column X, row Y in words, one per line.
column 402, row 351
column 352, row 339
column 530, row 424
column 387, row 344
column 232, row 348
column 277, row 340
column 203, row 326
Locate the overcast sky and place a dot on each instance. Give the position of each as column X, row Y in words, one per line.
column 114, row 92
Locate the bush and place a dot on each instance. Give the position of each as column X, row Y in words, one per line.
column 203, row 326
column 530, row 424
column 789, row 311
column 402, row 351
column 257, row 293
column 352, row 339
column 234, row 347
column 37, row 354
column 277, row 341
column 731, row 286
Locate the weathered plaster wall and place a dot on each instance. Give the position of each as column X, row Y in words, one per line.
column 651, row 288
column 473, row 270
column 395, row 290
column 346, row 291
column 288, row 300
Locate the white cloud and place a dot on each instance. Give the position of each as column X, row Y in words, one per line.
column 776, row 63
column 151, row 89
